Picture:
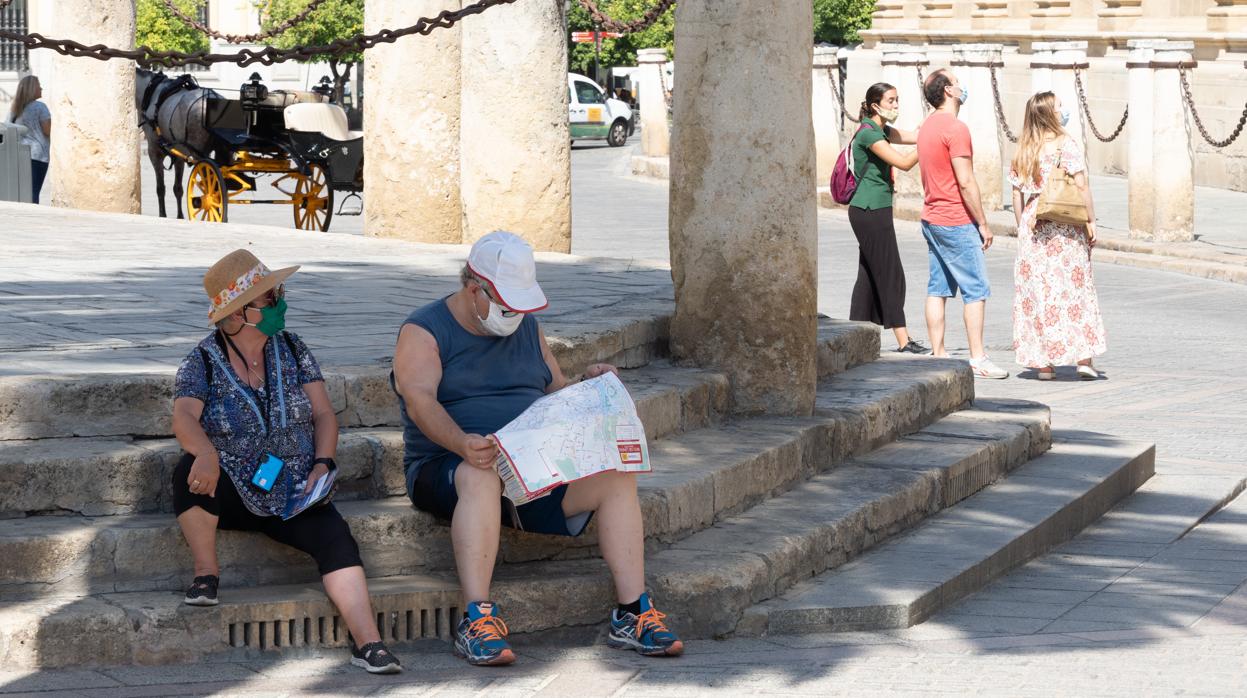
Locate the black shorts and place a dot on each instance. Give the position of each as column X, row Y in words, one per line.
column 434, row 492
column 319, row 531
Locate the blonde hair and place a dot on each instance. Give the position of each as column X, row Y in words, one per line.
column 26, row 88
column 1041, row 125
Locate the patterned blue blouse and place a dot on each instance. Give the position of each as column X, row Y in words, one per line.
column 233, row 415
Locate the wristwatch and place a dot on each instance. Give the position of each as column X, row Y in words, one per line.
column 327, row 461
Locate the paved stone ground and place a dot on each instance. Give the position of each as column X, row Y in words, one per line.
column 1131, row 607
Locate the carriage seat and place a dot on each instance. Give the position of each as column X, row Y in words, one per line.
column 328, row 119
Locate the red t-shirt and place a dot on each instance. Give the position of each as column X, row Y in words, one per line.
column 942, row 138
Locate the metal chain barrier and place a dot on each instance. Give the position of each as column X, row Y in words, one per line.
column 839, row 97
column 609, row 23
column 922, row 90
column 1086, row 111
column 285, row 26
column 1000, row 109
column 147, row 57
column 1199, row 123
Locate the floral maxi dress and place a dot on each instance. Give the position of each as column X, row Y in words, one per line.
column 1056, row 315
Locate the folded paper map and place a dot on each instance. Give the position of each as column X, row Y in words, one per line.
column 581, row 430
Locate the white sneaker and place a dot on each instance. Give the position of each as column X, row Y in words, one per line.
column 1087, row 372
column 984, row 368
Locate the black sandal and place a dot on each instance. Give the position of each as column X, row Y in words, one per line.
column 375, row 658
column 202, row 591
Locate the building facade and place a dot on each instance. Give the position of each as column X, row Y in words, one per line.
column 1218, row 29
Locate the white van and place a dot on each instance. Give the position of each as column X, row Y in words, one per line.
column 593, row 115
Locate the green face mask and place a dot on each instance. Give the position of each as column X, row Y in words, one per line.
column 272, row 318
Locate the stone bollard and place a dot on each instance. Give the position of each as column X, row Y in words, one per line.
column 901, row 66
column 1066, row 57
column 515, row 145
column 743, row 225
column 1173, row 161
column 655, row 133
column 825, row 111
column 1142, row 212
column 973, row 63
column 94, row 162
column 1041, row 66
column 411, row 152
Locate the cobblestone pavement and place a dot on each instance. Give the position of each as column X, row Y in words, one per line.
column 1143, row 603
column 99, row 293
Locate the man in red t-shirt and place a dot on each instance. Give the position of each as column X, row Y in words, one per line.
column 953, row 223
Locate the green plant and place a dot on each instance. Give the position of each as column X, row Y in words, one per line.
column 333, row 20
column 838, row 21
column 157, row 28
column 621, row 51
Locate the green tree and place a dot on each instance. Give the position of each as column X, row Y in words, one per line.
column 333, row 20
column 158, row 29
column 838, row 21
column 621, row 51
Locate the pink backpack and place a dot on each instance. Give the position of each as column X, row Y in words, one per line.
column 844, row 175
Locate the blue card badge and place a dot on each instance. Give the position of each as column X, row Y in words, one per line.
column 267, row 473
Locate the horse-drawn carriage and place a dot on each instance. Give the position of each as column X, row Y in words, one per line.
column 296, row 137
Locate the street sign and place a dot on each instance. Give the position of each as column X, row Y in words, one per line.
column 589, row 38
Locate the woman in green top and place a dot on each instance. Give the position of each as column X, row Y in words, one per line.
column 879, row 294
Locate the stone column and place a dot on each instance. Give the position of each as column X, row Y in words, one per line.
column 515, row 146
column 1173, row 161
column 95, row 139
column 825, row 111
column 743, row 226
column 655, row 133
column 973, row 63
column 901, row 65
column 1066, row 56
column 1139, row 136
column 411, row 152
column 1041, row 67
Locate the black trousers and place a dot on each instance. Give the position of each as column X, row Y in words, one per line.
column 879, row 294
column 319, row 531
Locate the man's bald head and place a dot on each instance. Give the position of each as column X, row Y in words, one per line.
column 933, row 88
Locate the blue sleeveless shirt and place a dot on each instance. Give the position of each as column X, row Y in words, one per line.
column 486, row 382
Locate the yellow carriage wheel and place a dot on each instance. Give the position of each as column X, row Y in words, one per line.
column 313, row 199
column 206, row 199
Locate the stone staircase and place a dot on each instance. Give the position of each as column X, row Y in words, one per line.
column 739, row 512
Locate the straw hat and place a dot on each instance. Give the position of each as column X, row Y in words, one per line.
column 238, row 279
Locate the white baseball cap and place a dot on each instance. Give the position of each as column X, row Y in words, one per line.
column 505, row 262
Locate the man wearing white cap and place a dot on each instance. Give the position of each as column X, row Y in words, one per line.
column 464, row 367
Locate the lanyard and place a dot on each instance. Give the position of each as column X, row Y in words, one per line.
column 268, row 401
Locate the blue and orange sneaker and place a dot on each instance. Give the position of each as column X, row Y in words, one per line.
column 482, row 636
column 645, row 633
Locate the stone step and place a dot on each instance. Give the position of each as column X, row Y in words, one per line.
column 705, row 581
column 138, row 405
column 701, row 476
column 958, row 551
column 59, row 476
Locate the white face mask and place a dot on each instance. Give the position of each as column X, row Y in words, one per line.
column 496, row 323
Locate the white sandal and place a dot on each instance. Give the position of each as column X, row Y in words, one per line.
column 1046, row 375
column 1087, row 372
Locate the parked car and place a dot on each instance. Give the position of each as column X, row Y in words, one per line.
column 593, row 115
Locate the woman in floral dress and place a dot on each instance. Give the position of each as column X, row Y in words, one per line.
column 1056, row 315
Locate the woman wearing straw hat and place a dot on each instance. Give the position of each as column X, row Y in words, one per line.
column 253, row 415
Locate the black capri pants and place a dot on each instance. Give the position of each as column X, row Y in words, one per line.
column 319, row 531
column 879, row 294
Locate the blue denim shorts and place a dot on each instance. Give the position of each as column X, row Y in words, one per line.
column 434, row 491
column 955, row 255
